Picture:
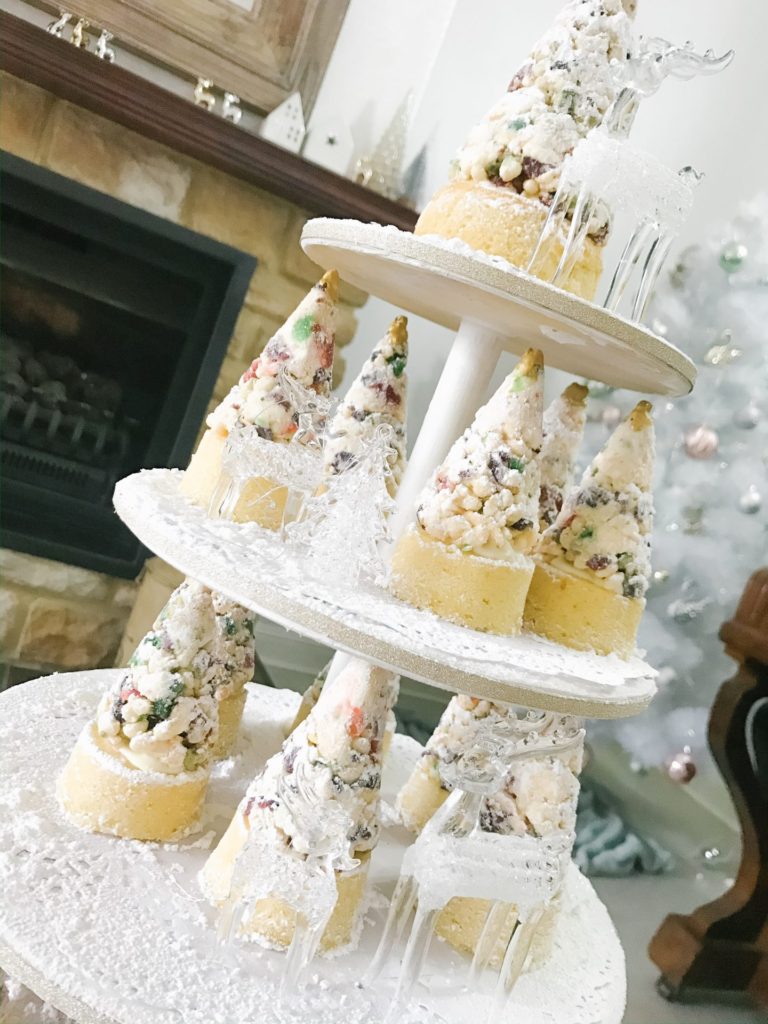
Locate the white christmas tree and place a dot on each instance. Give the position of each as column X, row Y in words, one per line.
column 382, row 171
column 711, row 489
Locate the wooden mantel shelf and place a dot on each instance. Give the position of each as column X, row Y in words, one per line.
column 30, row 53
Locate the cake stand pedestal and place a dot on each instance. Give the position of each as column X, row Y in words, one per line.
column 494, row 307
column 116, row 932
column 127, row 937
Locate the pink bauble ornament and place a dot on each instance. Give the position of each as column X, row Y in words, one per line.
column 680, row 767
column 611, row 416
column 700, row 442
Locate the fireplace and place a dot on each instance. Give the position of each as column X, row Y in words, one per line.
column 114, row 326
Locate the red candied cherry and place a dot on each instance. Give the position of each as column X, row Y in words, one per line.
column 356, row 723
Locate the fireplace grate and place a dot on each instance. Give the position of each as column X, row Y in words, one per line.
column 115, row 323
column 65, row 475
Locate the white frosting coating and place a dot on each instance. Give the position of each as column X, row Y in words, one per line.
column 484, row 497
column 162, row 715
column 303, row 347
column 538, row 797
column 377, row 395
column 332, row 758
column 562, row 91
column 603, row 531
column 564, row 421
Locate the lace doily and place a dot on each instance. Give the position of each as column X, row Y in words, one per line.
column 254, row 567
column 115, row 932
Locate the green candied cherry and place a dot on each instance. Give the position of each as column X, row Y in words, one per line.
column 519, row 383
column 587, row 533
column 192, row 760
column 230, row 626
column 492, row 169
column 397, row 362
column 512, row 462
column 517, row 124
column 567, row 100
column 302, row 329
column 163, row 706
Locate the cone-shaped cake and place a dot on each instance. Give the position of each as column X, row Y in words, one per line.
column 377, row 395
column 564, row 422
column 310, row 697
column 425, row 791
column 303, row 349
column 593, row 563
column 506, row 174
column 468, row 558
column 538, row 800
column 140, row 769
column 329, row 770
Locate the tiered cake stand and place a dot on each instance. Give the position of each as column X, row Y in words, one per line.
column 116, row 932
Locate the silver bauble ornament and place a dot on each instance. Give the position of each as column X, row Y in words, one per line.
column 680, row 767
column 659, row 327
column 732, row 255
column 700, row 442
column 748, row 417
column 751, row 501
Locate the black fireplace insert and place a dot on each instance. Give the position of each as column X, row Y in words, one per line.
column 114, row 326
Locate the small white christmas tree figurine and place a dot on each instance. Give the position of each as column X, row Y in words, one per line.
column 285, row 125
column 382, row 171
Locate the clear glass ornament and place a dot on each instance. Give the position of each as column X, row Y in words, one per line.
column 454, row 856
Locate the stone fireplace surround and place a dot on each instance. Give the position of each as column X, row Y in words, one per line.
column 57, row 616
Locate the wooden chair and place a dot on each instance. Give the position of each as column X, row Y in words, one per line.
column 723, row 946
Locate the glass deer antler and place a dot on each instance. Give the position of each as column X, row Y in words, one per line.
column 457, row 855
column 601, row 164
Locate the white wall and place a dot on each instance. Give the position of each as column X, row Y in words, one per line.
column 383, row 51
column 717, row 124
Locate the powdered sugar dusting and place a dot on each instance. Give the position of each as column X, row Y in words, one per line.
column 129, row 939
column 263, row 573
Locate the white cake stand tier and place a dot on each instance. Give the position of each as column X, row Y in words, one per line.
column 447, row 282
column 254, row 567
column 494, row 307
column 116, row 932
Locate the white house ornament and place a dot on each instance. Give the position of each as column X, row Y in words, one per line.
column 329, row 143
column 285, row 125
